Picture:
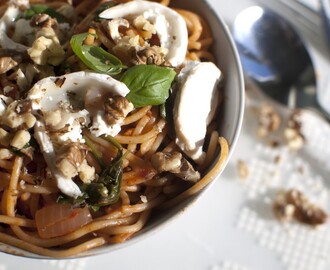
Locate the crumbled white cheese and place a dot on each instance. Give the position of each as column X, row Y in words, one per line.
column 100, row 127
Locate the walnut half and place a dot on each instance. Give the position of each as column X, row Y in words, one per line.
column 116, row 109
column 176, row 164
column 293, row 204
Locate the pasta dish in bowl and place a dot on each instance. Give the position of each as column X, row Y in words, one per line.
column 114, row 117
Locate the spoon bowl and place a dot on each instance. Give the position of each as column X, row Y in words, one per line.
column 274, row 56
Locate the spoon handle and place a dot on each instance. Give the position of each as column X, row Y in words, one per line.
column 325, row 15
column 306, row 97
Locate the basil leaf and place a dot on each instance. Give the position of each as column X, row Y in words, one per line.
column 95, row 57
column 43, row 9
column 96, row 153
column 148, row 84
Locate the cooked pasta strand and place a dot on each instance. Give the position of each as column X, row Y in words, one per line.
column 208, row 178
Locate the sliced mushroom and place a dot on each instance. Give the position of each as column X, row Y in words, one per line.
column 116, row 109
column 176, row 164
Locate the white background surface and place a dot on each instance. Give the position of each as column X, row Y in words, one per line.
column 216, row 234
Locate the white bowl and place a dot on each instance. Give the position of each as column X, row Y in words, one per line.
column 230, row 117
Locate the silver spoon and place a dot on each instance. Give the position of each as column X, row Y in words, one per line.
column 325, row 15
column 275, row 58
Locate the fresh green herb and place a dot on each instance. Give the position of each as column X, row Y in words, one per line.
column 43, row 9
column 105, row 190
column 95, row 57
column 148, row 84
column 112, row 140
column 96, row 153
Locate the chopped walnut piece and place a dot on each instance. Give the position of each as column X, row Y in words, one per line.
column 6, row 64
column 59, row 82
column 46, row 49
column 176, row 164
column 86, row 172
column 43, row 20
column 70, row 158
column 5, row 137
column 292, row 133
column 52, row 118
column 149, row 56
column 243, row 169
column 13, row 119
column 23, row 106
column 293, row 204
column 6, row 153
column 116, row 109
column 144, row 26
column 269, row 120
column 20, row 139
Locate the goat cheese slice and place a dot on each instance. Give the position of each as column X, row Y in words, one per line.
column 194, row 107
column 170, row 26
column 77, row 97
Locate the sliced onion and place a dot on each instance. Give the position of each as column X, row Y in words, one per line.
column 60, row 219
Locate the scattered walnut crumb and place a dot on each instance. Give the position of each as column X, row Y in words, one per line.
column 277, row 159
column 243, row 169
column 269, row 120
column 294, row 205
column 293, row 134
column 301, row 169
column 274, row 143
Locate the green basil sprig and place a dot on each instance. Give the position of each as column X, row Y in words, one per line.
column 95, row 57
column 148, row 84
column 106, row 189
column 43, row 9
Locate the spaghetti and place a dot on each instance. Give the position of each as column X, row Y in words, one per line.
column 31, row 203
